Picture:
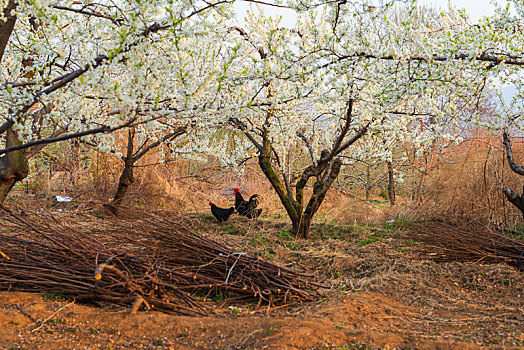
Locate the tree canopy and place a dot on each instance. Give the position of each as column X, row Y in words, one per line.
column 350, row 79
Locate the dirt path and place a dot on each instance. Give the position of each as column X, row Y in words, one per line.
column 345, row 321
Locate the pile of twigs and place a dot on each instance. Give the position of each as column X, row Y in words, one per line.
column 459, row 240
column 150, row 260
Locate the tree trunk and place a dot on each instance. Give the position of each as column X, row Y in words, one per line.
column 419, row 197
column 13, row 166
column 515, row 199
column 391, row 185
column 6, row 184
column 264, row 161
column 320, row 189
column 325, row 170
column 301, row 228
column 127, row 178
column 301, row 218
column 511, row 195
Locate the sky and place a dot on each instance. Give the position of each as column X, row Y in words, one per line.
column 475, row 8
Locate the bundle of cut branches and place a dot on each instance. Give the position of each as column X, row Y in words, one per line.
column 149, row 260
column 459, row 240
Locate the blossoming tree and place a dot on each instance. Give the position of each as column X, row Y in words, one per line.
column 352, row 81
column 71, row 69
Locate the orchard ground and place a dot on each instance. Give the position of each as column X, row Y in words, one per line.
column 382, row 291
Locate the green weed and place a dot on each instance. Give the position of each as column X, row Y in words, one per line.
column 57, row 297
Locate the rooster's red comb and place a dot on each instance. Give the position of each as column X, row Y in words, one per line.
column 236, row 189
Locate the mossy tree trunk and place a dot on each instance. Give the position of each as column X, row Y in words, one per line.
column 320, row 189
column 13, row 165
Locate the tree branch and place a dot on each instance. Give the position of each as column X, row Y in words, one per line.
column 484, row 57
column 242, row 127
column 309, row 147
column 37, row 116
column 103, row 129
column 7, row 124
column 97, row 62
column 341, row 136
column 514, row 166
column 89, row 13
column 353, row 139
column 242, row 32
column 6, row 26
column 283, row 173
column 171, row 136
column 32, row 152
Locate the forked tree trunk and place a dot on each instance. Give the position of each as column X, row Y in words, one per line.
column 325, row 170
column 320, row 189
column 13, row 166
column 301, row 218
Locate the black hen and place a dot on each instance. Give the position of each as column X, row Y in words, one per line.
column 247, row 208
column 221, row 214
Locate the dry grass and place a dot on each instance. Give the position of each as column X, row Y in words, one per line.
column 470, row 180
column 457, row 301
column 351, row 249
column 467, row 180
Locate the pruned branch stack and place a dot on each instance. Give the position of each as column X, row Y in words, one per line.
column 148, row 259
column 454, row 239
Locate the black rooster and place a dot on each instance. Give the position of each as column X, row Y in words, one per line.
column 247, row 208
column 240, row 203
column 221, row 214
column 253, row 213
